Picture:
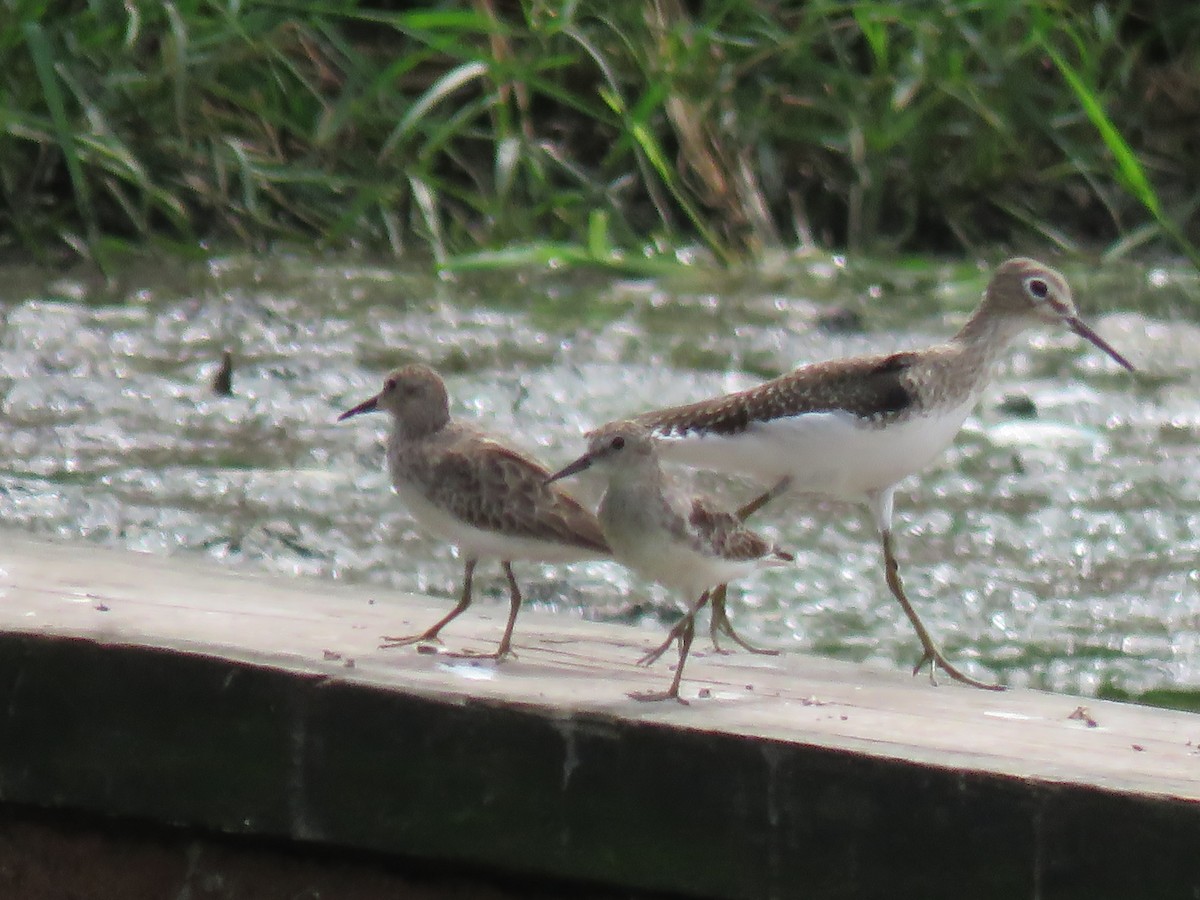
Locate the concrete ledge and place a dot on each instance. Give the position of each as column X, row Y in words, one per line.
column 175, row 692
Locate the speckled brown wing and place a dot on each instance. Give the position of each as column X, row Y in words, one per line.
column 726, row 536
column 870, row 387
column 499, row 489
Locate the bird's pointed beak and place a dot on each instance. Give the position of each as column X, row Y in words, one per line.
column 1078, row 326
column 584, row 462
column 365, row 407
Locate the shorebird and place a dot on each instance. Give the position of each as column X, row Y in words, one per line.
column 854, row 428
column 488, row 500
column 683, row 542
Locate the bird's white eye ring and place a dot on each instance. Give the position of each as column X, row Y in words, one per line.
column 1037, row 288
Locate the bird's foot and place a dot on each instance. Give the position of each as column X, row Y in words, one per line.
column 935, row 659
column 655, row 696
column 654, row 655
column 726, row 627
column 499, row 654
column 720, row 624
column 424, row 637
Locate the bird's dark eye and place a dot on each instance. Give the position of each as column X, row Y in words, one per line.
column 1038, row 288
column 390, row 384
column 618, row 443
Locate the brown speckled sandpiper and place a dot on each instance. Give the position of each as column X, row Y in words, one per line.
column 681, row 541
column 487, row 499
column 854, row 428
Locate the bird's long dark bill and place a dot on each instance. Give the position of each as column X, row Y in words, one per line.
column 1085, row 332
column 584, row 462
column 365, row 407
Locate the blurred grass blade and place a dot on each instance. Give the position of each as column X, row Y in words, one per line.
column 1129, row 168
column 1128, row 165
column 175, row 53
column 874, row 31
column 598, row 243
column 648, row 143
column 553, row 255
column 427, row 203
column 43, row 64
column 248, row 176
column 438, row 91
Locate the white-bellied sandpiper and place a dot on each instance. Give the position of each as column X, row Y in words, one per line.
column 656, row 530
column 487, row 499
column 854, row 428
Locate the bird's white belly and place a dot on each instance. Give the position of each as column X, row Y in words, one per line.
column 656, row 557
column 483, row 543
column 830, row 453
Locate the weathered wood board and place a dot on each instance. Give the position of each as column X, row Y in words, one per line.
column 172, row 690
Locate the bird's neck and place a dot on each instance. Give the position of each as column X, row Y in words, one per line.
column 630, row 491
column 989, row 330
column 419, row 427
column 982, row 340
column 407, row 446
column 640, row 478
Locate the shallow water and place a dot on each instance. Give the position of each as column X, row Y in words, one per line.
column 1054, row 545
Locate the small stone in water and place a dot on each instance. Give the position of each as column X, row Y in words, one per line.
column 1019, row 405
column 222, row 383
column 839, row 320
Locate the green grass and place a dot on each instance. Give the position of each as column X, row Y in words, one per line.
column 487, row 134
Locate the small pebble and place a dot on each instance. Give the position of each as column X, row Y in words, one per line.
column 1019, row 405
column 222, row 383
column 839, row 320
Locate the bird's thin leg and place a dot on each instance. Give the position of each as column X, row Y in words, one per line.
column 685, row 644
column 720, row 618
column 514, row 599
column 504, row 650
column 763, row 499
column 720, row 624
column 431, row 634
column 676, row 632
column 931, row 654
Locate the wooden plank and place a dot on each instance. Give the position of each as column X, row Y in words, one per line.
column 174, row 690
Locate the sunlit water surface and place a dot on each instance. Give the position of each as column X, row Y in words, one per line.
column 1054, row 545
